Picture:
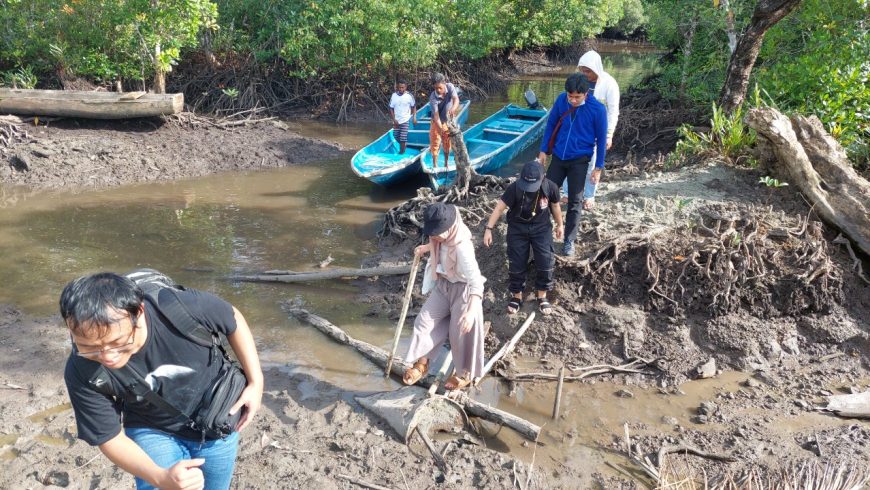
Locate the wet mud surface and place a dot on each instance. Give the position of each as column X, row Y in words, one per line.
column 82, row 154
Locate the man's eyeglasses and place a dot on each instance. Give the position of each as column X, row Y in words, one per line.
column 126, row 346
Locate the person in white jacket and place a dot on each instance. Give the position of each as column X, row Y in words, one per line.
column 605, row 89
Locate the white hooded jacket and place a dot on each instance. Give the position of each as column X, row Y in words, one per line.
column 606, row 89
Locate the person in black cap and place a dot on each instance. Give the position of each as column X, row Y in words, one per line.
column 453, row 310
column 530, row 200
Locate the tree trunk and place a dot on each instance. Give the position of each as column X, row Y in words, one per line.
column 159, row 75
column 809, row 158
column 687, row 53
column 729, row 26
column 767, row 14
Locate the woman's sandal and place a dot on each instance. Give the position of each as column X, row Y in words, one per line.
column 455, row 382
column 544, row 306
column 514, row 305
column 415, row 373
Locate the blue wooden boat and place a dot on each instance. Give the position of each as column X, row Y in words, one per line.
column 491, row 143
column 380, row 161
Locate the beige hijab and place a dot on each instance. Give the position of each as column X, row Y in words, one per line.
column 456, row 234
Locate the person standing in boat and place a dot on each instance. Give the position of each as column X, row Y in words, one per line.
column 444, row 100
column 453, row 310
column 576, row 129
column 402, row 108
column 529, row 200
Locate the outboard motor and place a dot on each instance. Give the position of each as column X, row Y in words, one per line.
column 531, row 99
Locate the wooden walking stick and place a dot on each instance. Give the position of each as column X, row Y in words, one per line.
column 411, row 279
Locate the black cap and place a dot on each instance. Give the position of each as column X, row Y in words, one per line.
column 437, row 218
column 531, row 177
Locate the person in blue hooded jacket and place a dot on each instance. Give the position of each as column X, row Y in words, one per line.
column 576, row 129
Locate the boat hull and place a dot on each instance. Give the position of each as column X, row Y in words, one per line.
column 492, row 143
column 380, row 161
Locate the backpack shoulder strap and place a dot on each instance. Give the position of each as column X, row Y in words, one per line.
column 135, row 384
column 179, row 316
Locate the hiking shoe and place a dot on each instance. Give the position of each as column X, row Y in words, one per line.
column 568, row 249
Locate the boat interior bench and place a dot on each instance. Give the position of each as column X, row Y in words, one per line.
column 500, row 135
column 487, row 142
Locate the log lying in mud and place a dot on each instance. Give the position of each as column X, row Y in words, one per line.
column 320, row 276
column 89, row 104
column 380, row 356
column 809, row 158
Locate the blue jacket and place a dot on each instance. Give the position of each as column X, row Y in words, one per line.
column 580, row 132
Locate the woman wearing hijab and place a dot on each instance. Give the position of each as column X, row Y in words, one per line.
column 453, row 309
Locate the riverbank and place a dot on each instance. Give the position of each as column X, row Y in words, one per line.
column 692, row 272
column 80, row 154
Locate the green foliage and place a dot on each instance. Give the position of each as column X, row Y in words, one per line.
column 231, row 92
column 815, row 61
column 818, row 62
column 771, row 182
column 100, row 39
column 20, row 78
column 728, row 138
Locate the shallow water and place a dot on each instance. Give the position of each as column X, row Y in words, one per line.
column 199, row 231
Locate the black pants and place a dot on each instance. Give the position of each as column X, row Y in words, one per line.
column 575, row 171
column 520, row 237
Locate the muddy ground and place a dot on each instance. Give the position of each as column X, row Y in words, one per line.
column 800, row 329
column 686, row 266
column 80, row 154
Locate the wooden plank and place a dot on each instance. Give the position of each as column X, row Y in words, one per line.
column 88, row 104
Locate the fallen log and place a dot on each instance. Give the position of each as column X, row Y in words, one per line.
column 271, row 276
column 856, row 405
column 809, row 158
column 380, row 357
column 88, row 104
column 633, row 367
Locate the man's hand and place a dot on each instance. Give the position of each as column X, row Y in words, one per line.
column 487, row 237
column 560, row 231
column 396, row 125
column 184, row 475
column 596, row 176
column 542, row 159
column 589, row 204
column 250, row 398
column 609, row 143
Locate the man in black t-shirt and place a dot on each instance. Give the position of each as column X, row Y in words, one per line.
column 529, row 200
column 111, row 324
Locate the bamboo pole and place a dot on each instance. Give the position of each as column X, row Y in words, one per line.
column 506, row 349
column 401, row 323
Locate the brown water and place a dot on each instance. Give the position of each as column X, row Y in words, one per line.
column 199, row 231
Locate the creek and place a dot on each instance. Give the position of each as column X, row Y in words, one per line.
column 201, row 230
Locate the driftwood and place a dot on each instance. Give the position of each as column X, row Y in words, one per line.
column 405, row 303
column 633, row 367
column 270, row 276
column 89, row 104
column 506, row 349
column 362, row 483
column 813, row 161
column 380, row 356
column 851, row 406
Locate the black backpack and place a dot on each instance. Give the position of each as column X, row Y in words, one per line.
column 211, row 417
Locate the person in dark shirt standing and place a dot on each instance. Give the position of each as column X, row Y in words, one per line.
column 530, row 200
column 576, row 128
column 444, row 100
column 112, row 325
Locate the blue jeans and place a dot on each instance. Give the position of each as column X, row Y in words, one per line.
column 574, row 171
column 166, row 450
